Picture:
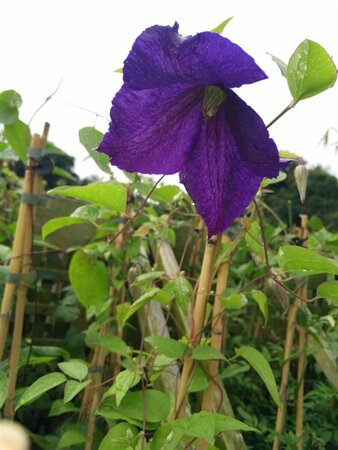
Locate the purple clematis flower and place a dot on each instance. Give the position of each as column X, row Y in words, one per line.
column 176, row 112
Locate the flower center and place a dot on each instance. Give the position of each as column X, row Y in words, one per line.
column 213, row 99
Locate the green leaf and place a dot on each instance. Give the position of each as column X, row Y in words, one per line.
column 292, row 258
column 89, row 279
column 220, row 28
column 199, row 381
column 70, row 438
column 90, row 138
column 10, row 101
column 267, row 181
column 253, row 239
column 228, row 423
column 199, row 425
column 158, row 405
column 183, row 293
column 310, row 70
column 59, row 407
column 60, row 222
column 262, row 302
column 64, row 174
column 39, row 387
column 125, row 380
column 262, row 367
column 141, row 301
column 74, row 369
column 233, row 370
column 90, row 213
column 167, row 346
column 72, row 388
column 234, row 301
column 108, row 195
column 329, row 290
column 167, row 437
column 3, row 388
column 165, row 194
column 119, row 437
column 283, row 67
column 204, row 353
column 19, row 137
column 113, row 344
column 146, row 278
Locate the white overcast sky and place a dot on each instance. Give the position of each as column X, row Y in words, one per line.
column 84, row 41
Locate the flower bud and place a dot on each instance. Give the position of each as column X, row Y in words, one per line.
column 301, row 174
column 13, row 436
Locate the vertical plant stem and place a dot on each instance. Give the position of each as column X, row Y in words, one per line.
column 281, row 413
column 217, row 333
column 37, row 142
column 290, row 329
column 301, row 355
column 25, row 212
column 210, row 253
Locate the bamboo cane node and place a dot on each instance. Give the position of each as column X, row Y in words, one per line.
column 32, row 199
column 35, row 153
column 96, row 369
column 20, row 278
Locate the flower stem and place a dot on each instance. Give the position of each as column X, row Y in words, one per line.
column 285, row 110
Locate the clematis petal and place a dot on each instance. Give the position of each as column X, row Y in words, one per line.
column 151, row 131
column 160, row 57
column 252, row 139
column 218, row 179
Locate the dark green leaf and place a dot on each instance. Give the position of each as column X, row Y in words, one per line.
column 70, row 438
column 262, row 367
column 63, row 174
column 310, row 70
column 59, row 407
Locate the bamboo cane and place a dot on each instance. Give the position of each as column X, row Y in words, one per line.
column 301, row 356
column 37, row 142
column 290, row 329
column 217, row 332
column 210, row 253
column 231, row 440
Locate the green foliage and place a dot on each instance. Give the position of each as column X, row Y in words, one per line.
column 310, row 70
